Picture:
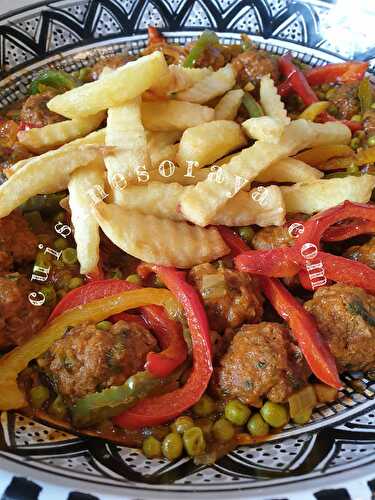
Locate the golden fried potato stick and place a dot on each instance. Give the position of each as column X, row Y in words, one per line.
column 159, row 241
column 115, row 88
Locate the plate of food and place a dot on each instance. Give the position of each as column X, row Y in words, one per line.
column 187, row 252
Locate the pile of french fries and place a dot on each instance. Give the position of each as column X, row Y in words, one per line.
column 172, row 163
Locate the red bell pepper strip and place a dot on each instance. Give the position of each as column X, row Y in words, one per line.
column 297, row 80
column 326, row 117
column 276, row 263
column 301, row 323
column 154, row 36
column 235, row 242
column 305, row 330
column 167, row 331
column 284, row 88
column 346, row 72
column 345, row 231
column 160, row 409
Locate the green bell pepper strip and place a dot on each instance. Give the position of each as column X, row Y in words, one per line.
column 253, row 108
column 365, row 95
column 52, row 78
column 46, row 204
column 206, row 38
column 98, row 406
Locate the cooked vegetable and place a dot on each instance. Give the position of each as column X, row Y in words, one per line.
column 252, row 107
column 350, row 71
column 194, row 441
column 38, row 396
column 181, row 424
column 172, row 446
column 257, row 426
column 236, row 412
column 152, row 447
column 223, row 430
column 59, row 80
column 274, row 414
column 324, row 393
column 206, row 38
column 302, row 401
column 365, row 92
column 205, row 406
column 313, row 110
column 297, row 80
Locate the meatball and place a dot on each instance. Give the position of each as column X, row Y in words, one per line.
column 364, row 253
column 18, row 243
column 230, row 297
column 346, row 100
column 252, row 64
column 271, row 237
column 109, row 62
column 262, row 362
column 87, row 359
column 344, row 317
column 217, row 57
column 35, row 112
column 19, row 319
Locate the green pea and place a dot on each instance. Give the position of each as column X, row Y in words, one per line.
column 69, row 256
column 257, row 426
column 75, row 282
column 158, row 282
column 116, row 274
column 172, row 446
column 325, row 87
column 59, row 217
column 223, row 430
column 321, row 95
column 246, row 233
column 353, row 169
column 43, row 260
column 356, row 118
column 373, row 105
column 38, row 396
column 194, row 441
column 236, row 412
column 303, row 417
column 64, row 280
column 205, row 406
column 330, row 93
column 60, row 294
column 371, row 140
column 134, row 278
column 50, row 295
column 60, row 244
column 274, row 414
column 103, row 325
column 57, row 408
column 332, row 109
column 151, row 447
column 182, row 424
column 355, row 143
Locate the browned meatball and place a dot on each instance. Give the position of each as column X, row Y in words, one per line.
column 345, row 318
column 346, row 100
column 110, row 62
column 262, row 362
column 35, row 112
column 87, row 359
column 252, row 64
column 271, row 237
column 217, row 57
column 19, row 319
column 230, row 297
column 18, row 243
column 364, row 253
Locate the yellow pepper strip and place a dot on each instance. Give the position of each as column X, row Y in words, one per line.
column 312, row 111
column 317, row 156
column 363, row 157
column 11, row 397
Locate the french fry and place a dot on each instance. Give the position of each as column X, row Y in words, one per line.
column 264, row 128
column 207, row 142
column 83, row 185
column 311, row 197
column 247, row 208
column 329, row 133
column 212, row 86
column 95, row 138
column 162, row 146
column 161, row 200
column 182, row 176
column 179, row 78
column 320, row 154
column 203, row 201
column 44, row 174
column 116, row 87
column 228, row 106
column 289, row 170
column 149, row 238
column 174, row 115
column 57, row 134
column 271, row 101
column 125, row 131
